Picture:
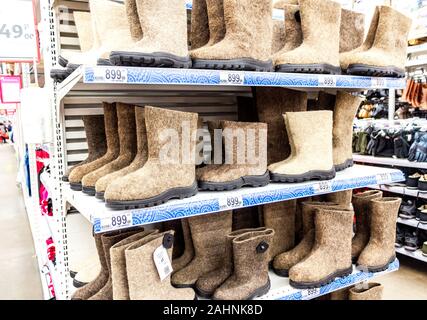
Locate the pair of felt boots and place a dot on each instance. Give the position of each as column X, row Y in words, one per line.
column 220, row 263
column 129, row 271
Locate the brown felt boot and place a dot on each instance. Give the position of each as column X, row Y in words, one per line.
column 141, row 151
column 319, row 51
column 170, row 169
column 341, row 295
column 361, row 209
column 214, row 127
column 374, row 291
column 188, row 254
column 287, row 36
column 342, row 198
column 247, row 42
column 380, row 250
column 113, row 148
column 246, row 218
column 143, row 277
column 208, row 283
column 325, row 101
column 162, row 45
column 345, row 110
column 387, row 56
column 133, row 20
column 209, row 240
column 282, row 3
column 307, row 140
column 216, row 21
column 97, row 181
column 331, row 255
column 199, row 35
column 96, row 141
column 352, row 30
column 119, row 279
column 245, row 158
column 250, row 258
column 287, row 259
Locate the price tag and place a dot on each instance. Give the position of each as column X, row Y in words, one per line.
column 162, row 262
column 327, row 81
column 383, row 178
column 308, row 294
column 230, row 202
column 111, row 75
column 116, row 221
column 378, row 82
column 323, row 187
column 231, row 78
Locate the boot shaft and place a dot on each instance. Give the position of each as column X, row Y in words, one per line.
column 370, row 36
column 141, row 132
column 383, row 214
column 111, row 128
column 126, row 129
column 330, row 222
column 346, row 106
column 352, row 30
column 199, row 35
column 83, row 23
column 95, row 133
column 374, row 291
column 216, row 20
column 133, row 20
column 361, row 208
column 293, row 31
column 342, row 198
column 308, row 210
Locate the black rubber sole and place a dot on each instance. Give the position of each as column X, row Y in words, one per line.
column 64, row 178
column 377, row 268
column 411, row 249
column 310, row 175
column 100, row 195
column 347, row 164
column 258, row 292
column 155, row 59
column 322, row 68
column 374, row 71
column 183, row 286
column 103, row 62
column 323, row 282
column 76, row 186
column 244, row 64
column 78, row 284
column 90, row 191
column 73, row 274
column 246, row 181
column 59, row 75
column 62, row 61
column 281, row 272
column 175, row 193
column 203, row 294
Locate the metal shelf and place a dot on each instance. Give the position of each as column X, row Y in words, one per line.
column 401, row 190
column 389, row 161
column 413, row 254
column 209, row 202
column 412, row 223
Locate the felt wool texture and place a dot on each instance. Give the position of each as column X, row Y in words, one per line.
column 188, row 254
column 209, row 282
column 143, row 277
column 199, row 35
column 209, row 235
column 133, row 20
column 342, row 294
column 307, row 140
column 280, row 217
column 330, row 253
column 352, row 30
column 96, row 142
column 216, row 21
column 287, row 36
column 246, row 218
column 84, row 31
column 127, row 149
column 158, row 174
column 389, row 46
column 342, row 198
column 325, row 101
column 252, row 153
column 373, row 292
column 272, row 103
column 380, row 248
column 281, row 3
column 345, row 110
column 178, row 240
column 119, row 279
column 113, row 147
column 320, row 25
column 249, row 32
column 129, row 132
column 250, row 266
column 361, row 209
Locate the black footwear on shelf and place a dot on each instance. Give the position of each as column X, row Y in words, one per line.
column 400, row 237
column 411, row 241
column 412, row 181
column 422, row 183
column 408, row 210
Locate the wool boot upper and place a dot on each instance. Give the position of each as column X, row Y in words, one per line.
column 373, row 292
column 188, row 254
column 352, row 30
column 199, row 35
column 133, row 20
column 287, row 36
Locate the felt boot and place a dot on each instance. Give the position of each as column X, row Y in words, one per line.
column 307, row 141
column 342, row 198
column 245, row 158
column 361, row 209
column 216, row 21
column 319, row 51
column 208, row 283
column 199, row 35
column 373, row 292
column 133, row 20
column 93, row 181
column 188, row 254
column 330, row 256
column 113, row 148
column 143, row 277
column 247, row 42
column 126, row 142
column 250, row 258
column 340, row 295
column 287, row 36
column 352, row 30
column 83, row 23
column 246, row 218
column 287, row 259
column 163, row 45
column 96, row 141
column 119, row 279
column 209, row 234
column 345, row 110
column 170, row 169
column 380, row 250
column 387, row 56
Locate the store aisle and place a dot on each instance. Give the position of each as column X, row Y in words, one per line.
column 18, row 263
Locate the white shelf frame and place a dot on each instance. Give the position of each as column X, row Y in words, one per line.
column 389, row 161
column 413, row 254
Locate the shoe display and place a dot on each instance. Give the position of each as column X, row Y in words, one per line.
column 424, row 249
column 374, row 291
column 400, row 236
column 287, row 36
column 408, row 209
column 188, row 255
column 352, row 30
column 422, row 183
column 411, row 241
column 412, row 181
column 199, row 33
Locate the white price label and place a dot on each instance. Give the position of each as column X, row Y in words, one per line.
column 230, row 202
column 323, row 187
column 231, row 78
column 327, row 81
column 378, row 82
column 111, row 75
column 116, row 221
column 383, row 178
column 308, row 294
column 162, row 262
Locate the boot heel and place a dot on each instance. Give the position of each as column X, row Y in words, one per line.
column 257, row 181
column 261, row 291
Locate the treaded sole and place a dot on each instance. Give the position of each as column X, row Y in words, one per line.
column 310, row 175
column 203, row 294
column 73, row 274
column 246, row 181
column 183, row 286
column 412, row 249
column 64, row 178
column 322, row 68
column 258, row 292
column 347, row 164
column 90, row 191
column 59, row 75
column 100, row 195
column 155, row 59
column 244, row 64
column 374, row 71
column 78, row 284
column 377, row 268
column 281, row 272
column 175, row 193
column 323, row 282
column 62, row 61
column 76, row 186
column 104, row 62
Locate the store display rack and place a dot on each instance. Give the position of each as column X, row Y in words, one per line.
column 418, row 255
column 401, row 190
column 412, row 223
column 389, row 161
